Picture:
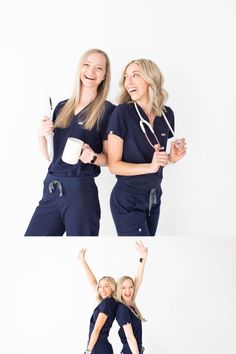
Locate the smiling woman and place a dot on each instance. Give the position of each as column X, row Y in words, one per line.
column 139, row 129
column 128, row 315
column 92, row 75
column 70, row 198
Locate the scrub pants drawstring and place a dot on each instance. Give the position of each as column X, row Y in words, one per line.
column 55, row 184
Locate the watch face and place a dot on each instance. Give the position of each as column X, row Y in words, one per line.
column 94, row 159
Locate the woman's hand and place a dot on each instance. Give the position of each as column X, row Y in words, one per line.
column 81, row 255
column 159, row 159
column 142, row 249
column 91, row 277
column 177, row 153
column 45, row 127
column 87, row 154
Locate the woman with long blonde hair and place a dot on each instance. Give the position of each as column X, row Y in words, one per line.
column 104, row 314
column 138, row 132
column 70, row 198
column 128, row 314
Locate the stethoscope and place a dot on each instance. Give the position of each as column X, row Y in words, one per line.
column 143, row 121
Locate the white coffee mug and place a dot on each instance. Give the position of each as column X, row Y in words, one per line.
column 72, row 150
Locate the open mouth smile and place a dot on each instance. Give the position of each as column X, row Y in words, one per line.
column 132, row 89
column 89, row 77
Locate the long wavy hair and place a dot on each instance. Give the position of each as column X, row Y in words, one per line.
column 112, row 284
column 133, row 307
column 153, row 76
column 94, row 110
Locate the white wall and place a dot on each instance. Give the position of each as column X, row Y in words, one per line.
column 192, row 42
column 187, row 296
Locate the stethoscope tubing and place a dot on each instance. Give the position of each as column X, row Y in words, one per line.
column 143, row 121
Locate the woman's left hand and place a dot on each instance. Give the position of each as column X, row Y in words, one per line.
column 177, row 153
column 81, row 254
column 87, row 154
column 142, row 249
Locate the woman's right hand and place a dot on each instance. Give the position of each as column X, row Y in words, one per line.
column 45, row 126
column 91, row 277
column 142, row 249
column 81, row 255
column 159, row 159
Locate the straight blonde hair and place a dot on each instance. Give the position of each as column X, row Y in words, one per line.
column 133, row 307
column 153, row 76
column 112, row 284
column 95, row 109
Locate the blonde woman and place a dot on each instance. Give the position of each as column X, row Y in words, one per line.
column 138, row 132
column 128, row 315
column 70, row 198
column 104, row 314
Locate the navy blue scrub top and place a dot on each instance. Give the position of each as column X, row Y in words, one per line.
column 124, row 316
column 124, row 123
column 108, row 307
column 93, row 137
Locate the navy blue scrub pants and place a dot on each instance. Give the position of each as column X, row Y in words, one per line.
column 102, row 347
column 135, row 212
column 69, row 204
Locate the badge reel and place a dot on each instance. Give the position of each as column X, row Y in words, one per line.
column 179, row 143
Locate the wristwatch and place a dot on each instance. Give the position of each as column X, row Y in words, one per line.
column 94, row 159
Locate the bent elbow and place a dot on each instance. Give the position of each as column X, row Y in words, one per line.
column 111, row 167
column 112, row 170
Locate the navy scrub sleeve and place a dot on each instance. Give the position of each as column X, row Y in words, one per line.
column 125, row 316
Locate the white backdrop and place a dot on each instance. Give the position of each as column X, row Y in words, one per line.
column 188, row 295
column 192, row 42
